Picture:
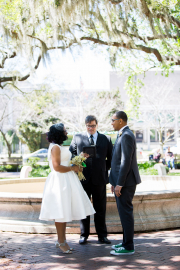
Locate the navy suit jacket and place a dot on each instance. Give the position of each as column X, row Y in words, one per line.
column 97, row 168
column 124, row 168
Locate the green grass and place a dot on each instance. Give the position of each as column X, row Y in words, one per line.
column 7, row 177
column 174, row 174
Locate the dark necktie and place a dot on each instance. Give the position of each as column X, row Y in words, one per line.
column 91, row 140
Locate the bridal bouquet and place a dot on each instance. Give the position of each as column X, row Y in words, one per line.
column 79, row 161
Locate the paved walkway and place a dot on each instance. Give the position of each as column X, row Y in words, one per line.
column 155, row 250
column 9, row 175
column 17, row 174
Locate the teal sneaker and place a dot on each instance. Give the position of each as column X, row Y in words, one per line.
column 122, row 251
column 116, row 246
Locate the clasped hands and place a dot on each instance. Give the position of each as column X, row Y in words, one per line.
column 78, row 168
column 117, row 190
column 84, row 155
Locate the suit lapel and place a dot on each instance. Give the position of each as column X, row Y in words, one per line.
column 87, row 142
column 85, row 139
column 119, row 139
column 99, row 137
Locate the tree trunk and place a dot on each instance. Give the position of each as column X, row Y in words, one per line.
column 7, row 143
column 161, row 143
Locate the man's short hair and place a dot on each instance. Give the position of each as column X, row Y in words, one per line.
column 121, row 115
column 90, row 118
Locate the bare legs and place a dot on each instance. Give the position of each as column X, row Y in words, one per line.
column 61, row 233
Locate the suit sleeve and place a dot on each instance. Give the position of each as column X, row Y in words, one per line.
column 127, row 150
column 73, row 147
column 109, row 154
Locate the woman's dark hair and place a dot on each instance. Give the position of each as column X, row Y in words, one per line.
column 121, row 115
column 56, row 134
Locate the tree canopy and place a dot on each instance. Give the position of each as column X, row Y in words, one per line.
column 150, row 26
column 138, row 34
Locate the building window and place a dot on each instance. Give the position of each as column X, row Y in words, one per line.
column 152, row 135
column 139, row 136
column 169, row 132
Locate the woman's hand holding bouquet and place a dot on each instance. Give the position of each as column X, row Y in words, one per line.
column 80, row 162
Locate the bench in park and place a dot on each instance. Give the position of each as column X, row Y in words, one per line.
column 11, row 161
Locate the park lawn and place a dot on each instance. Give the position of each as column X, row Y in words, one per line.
column 6, row 177
column 174, row 174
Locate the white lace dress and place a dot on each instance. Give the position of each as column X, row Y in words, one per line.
column 64, row 198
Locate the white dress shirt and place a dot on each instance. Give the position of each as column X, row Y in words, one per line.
column 95, row 135
column 122, row 129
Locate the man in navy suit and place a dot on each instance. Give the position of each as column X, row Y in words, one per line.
column 96, row 174
column 124, row 177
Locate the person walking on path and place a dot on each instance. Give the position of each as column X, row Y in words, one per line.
column 96, row 174
column 124, row 176
column 170, row 158
column 64, row 199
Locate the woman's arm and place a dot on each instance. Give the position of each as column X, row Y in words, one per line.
column 56, row 161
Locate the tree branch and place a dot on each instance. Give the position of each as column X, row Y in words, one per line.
column 115, row 2
column 145, row 49
column 160, row 37
column 175, row 21
column 7, row 143
column 7, row 57
column 14, row 78
column 148, row 14
column 150, row 50
column 127, row 46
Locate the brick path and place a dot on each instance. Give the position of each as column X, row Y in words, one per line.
column 155, row 250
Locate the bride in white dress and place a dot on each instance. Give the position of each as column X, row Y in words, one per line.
column 64, row 198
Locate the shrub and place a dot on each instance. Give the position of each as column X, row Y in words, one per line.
column 11, row 168
column 32, row 161
column 40, row 172
column 2, row 168
column 146, row 165
column 148, row 171
column 177, row 165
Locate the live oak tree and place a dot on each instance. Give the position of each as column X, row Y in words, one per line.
column 148, row 27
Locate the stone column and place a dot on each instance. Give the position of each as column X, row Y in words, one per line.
column 148, row 138
column 176, row 135
column 156, row 137
column 144, row 135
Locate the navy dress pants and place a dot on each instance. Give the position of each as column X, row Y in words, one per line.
column 125, row 209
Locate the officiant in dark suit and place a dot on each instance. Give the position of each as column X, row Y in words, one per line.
column 96, row 174
column 124, row 177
